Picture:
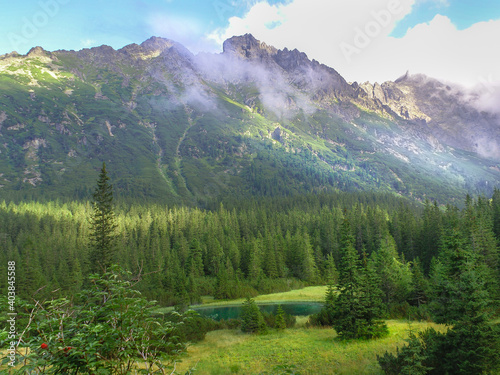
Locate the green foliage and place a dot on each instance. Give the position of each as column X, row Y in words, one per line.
column 252, row 320
column 467, row 348
column 280, row 318
column 326, row 317
column 459, row 292
column 409, row 360
column 108, row 329
column 394, row 275
column 192, row 327
column 419, row 285
column 464, row 349
column 357, row 306
column 461, row 279
column 176, row 250
column 103, row 226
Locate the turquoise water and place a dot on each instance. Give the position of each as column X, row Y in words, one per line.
column 233, row 312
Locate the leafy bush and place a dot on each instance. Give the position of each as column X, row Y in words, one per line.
column 464, row 349
column 321, row 319
column 273, row 320
column 194, row 327
column 229, row 324
column 111, row 331
column 406, row 311
column 410, row 360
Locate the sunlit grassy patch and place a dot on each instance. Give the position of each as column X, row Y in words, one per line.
column 308, row 294
column 312, row 350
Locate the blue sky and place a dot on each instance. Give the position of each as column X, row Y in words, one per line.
column 401, row 32
column 75, row 24
column 463, row 13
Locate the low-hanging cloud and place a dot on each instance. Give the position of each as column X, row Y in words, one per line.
column 485, row 96
column 274, row 88
column 323, row 29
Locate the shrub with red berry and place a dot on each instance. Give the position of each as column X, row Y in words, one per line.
column 112, row 330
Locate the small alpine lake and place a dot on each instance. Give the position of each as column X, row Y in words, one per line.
column 234, row 311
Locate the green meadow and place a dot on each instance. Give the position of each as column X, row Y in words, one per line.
column 307, row 294
column 311, row 350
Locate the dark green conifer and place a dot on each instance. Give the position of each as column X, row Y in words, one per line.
column 252, row 320
column 102, row 237
column 357, row 305
column 280, row 318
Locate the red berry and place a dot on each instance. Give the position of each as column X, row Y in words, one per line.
column 44, row 346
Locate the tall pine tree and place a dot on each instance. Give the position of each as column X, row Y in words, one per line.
column 103, row 225
column 461, row 300
column 357, row 305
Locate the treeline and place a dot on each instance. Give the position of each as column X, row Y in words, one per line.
column 249, row 247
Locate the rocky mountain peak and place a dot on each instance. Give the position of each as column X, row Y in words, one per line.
column 290, row 60
column 37, row 52
column 156, row 44
column 247, row 47
column 403, row 78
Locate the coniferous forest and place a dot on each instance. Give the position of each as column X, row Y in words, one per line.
column 258, row 246
column 381, row 256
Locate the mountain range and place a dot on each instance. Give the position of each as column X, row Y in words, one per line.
column 253, row 120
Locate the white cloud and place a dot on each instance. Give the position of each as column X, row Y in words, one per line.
column 88, row 42
column 184, row 30
column 353, row 36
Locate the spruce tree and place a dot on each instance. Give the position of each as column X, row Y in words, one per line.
column 419, row 284
column 461, row 300
column 371, row 306
column 346, row 303
column 222, row 286
column 194, row 263
column 102, row 237
column 252, row 320
column 357, row 305
column 395, row 276
column 329, row 308
column 280, row 318
column 458, row 282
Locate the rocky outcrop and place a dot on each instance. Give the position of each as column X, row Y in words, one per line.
column 248, row 48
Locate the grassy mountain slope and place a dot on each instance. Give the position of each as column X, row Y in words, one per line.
column 175, row 127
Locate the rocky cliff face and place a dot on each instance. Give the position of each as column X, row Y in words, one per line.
column 292, row 65
column 248, row 48
column 443, row 110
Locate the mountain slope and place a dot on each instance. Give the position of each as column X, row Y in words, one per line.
column 252, row 120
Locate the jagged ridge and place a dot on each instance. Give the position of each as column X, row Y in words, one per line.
column 251, row 120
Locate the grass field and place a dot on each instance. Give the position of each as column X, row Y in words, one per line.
column 311, row 350
column 308, row 294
